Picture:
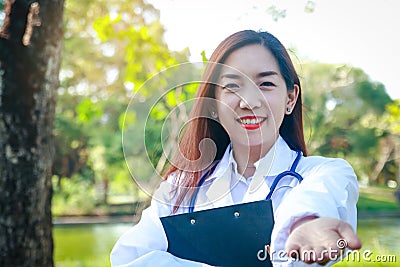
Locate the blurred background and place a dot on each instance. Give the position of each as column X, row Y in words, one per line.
column 345, row 52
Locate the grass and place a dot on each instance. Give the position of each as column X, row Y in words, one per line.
column 377, row 199
column 369, row 260
column 374, row 201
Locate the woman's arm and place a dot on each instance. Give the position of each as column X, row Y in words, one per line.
column 319, row 212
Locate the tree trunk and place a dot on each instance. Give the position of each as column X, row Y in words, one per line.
column 397, row 161
column 386, row 148
column 30, row 56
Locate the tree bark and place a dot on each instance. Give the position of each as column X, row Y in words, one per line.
column 30, row 57
column 386, row 149
column 397, row 161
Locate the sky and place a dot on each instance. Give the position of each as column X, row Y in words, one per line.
column 363, row 34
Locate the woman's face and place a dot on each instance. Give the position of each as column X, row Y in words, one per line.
column 252, row 97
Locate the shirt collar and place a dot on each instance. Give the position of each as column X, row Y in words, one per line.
column 227, row 163
column 278, row 159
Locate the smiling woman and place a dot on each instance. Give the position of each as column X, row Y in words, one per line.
column 255, row 96
column 249, row 105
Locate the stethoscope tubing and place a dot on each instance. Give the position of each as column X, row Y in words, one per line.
column 291, row 172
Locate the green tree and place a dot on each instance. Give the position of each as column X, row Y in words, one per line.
column 337, row 98
column 111, row 48
column 388, row 124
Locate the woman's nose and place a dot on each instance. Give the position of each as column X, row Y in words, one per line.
column 251, row 98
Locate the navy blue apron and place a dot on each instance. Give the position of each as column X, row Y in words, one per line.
column 235, row 235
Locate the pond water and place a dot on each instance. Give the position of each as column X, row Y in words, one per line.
column 90, row 244
column 381, row 233
column 85, row 245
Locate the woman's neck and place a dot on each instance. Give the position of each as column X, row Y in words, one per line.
column 246, row 156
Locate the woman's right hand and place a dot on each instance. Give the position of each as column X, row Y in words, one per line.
column 320, row 240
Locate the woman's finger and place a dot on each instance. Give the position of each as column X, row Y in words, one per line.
column 349, row 237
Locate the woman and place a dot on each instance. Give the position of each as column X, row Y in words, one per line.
column 251, row 107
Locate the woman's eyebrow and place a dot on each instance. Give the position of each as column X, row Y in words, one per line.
column 266, row 73
column 238, row 77
column 231, row 76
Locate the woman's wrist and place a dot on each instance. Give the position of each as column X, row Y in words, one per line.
column 301, row 221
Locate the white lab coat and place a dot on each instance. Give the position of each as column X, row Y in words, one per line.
column 329, row 189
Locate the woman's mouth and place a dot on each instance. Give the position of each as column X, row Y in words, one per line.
column 251, row 122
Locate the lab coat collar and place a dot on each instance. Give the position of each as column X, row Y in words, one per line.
column 218, row 194
column 278, row 159
column 223, row 165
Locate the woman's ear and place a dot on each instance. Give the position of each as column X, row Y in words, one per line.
column 292, row 96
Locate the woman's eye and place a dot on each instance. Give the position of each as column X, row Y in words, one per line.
column 267, row 84
column 231, row 86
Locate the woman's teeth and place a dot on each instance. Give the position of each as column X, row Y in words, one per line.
column 251, row 121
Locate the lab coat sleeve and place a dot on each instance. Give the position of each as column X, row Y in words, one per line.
column 329, row 189
column 145, row 244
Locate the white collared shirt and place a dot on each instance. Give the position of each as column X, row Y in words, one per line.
column 329, row 189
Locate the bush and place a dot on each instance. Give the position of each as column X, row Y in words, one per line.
column 73, row 196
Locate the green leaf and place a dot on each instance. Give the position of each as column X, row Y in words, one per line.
column 104, row 27
column 203, row 56
column 170, row 98
column 159, row 112
column 87, row 111
column 127, row 119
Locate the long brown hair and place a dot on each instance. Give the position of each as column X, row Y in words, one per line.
column 202, row 126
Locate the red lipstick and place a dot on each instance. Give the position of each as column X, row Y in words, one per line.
column 251, row 122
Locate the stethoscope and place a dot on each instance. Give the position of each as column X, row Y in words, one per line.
column 291, row 172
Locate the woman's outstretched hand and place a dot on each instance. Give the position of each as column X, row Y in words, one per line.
column 320, row 239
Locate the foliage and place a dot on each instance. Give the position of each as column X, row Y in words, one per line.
column 68, row 198
column 110, row 49
column 71, row 139
column 337, row 98
column 278, row 13
column 387, row 125
column 388, row 122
